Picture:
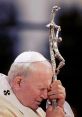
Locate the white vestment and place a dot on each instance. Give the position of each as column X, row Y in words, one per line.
column 9, row 102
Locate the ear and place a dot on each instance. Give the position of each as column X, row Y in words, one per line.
column 17, row 82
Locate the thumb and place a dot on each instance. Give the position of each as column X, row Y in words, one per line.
column 50, row 108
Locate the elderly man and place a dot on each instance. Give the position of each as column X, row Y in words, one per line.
column 29, row 81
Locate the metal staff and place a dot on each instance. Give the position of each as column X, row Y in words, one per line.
column 53, row 42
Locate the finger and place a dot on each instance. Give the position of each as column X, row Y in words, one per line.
column 56, row 96
column 57, row 89
column 51, row 93
column 60, row 110
column 60, row 103
column 50, row 108
column 56, row 82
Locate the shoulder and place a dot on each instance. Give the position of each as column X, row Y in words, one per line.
column 7, row 109
column 5, row 112
column 2, row 75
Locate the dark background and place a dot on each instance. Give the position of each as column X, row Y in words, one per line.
column 70, row 48
column 70, row 21
column 71, row 24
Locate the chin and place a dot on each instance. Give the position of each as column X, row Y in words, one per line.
column 35, row 108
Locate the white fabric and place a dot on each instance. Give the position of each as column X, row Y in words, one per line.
column 68, row 110
column 29, row 56
column 4, row 85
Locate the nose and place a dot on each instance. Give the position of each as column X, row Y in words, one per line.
column 44, row 94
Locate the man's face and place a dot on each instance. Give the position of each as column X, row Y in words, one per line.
column 34, row 88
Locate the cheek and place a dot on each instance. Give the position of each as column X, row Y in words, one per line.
column 36, row 93
column 32, row 92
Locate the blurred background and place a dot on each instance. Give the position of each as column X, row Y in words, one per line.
column 23, row 27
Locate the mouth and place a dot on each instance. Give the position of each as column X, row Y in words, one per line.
column 38, row 102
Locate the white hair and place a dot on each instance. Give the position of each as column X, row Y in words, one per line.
column 21, row 64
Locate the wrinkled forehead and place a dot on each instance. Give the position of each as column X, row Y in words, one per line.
column 41, row 68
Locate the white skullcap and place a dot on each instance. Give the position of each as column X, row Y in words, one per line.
column 29, row 56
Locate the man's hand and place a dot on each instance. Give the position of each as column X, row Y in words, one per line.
column 57, row 112
column 57, row 91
